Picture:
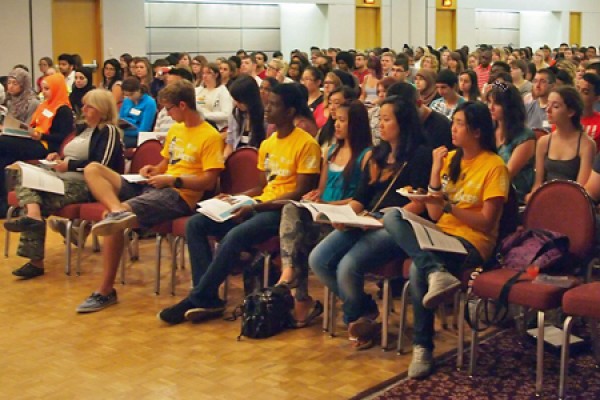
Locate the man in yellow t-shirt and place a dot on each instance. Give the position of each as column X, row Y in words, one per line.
column 290, row 159
column 192, row 160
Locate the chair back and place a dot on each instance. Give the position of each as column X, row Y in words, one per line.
column 241, row 172
column 509, row 221
column 147, row 153
column 564, row 207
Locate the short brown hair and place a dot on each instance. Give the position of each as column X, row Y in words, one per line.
column 182, row 90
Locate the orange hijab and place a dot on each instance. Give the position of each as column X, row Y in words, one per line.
column 44, row 115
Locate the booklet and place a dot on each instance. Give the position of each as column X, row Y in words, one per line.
column 338, row 214
column 429, row 236
column 42, row 179
column 221, row 210
column 135, row 178
column 14, row 127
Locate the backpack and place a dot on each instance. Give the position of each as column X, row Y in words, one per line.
column 266, row 312
column 525, row 247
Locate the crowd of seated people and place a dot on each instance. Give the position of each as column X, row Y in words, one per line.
column 331, row 126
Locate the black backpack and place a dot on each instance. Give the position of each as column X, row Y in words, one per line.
column 266, row 312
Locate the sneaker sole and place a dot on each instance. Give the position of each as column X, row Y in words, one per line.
column 91, row 310
column 431, row 302
column 202, row 314
column 111, row 227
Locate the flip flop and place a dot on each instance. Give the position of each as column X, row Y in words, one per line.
column 316, row 310
column 363, row 332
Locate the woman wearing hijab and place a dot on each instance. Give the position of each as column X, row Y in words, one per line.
column 82, row 85
column 51, row 122
column 425, row 83
column 22, row 101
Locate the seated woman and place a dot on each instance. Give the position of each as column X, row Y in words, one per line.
column 228, row 71
column 340, row 174
column 138, row 110
column 567, row 152
column 341, row 260
column 52, row 121
column 83, row 84
column 467, row 86
column 382, row 87
column 369, row 85
column 312, row 79
column 22, row 101
column 112, row 79
column 339, row 95
column 213, row 98
column 247, row 125
column 468, row 188
column 514, row 141
column 98, row 140
column 425, row 83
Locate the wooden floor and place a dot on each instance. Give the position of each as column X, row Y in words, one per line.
column 47, row 351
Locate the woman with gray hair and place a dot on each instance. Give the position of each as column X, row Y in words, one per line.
column 21, row 102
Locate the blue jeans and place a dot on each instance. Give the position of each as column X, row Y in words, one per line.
column 341, row 260
column 209, row 273
column 424, row 263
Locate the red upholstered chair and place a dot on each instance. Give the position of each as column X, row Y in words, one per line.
column 560, row 206
column 582, row 301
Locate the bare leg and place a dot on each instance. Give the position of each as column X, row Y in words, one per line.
column 111, row 256
column 104, row 184
column 34, row 211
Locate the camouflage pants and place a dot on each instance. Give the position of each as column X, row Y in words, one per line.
column 298, row 236
column 31, row 244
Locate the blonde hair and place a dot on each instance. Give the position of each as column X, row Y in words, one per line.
column 103, row 101
column 435, row 64
column 569, row 67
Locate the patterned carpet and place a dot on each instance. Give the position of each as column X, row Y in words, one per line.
column 505, row 370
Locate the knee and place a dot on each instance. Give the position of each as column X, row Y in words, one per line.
column 316, row 261
column 391, row 218
column 93, row 169
column 195, row 226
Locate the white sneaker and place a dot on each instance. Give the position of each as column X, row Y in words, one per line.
column 421, row 364
column 114, row 222
column 442, row 285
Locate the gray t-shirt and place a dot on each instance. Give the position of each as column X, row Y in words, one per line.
column 536, row 116
column 77, row 149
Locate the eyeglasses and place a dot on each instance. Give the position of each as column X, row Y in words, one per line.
column 168, row 108
column 329, row 83
column 398, row 69
column 542, row 81
column 272, row 67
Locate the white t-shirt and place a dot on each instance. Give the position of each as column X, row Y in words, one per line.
column 215, row 104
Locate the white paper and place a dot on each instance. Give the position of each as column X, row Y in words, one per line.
column 40, row 179
column 16, row 128
column 430, row 237
column 145, row 136
column 338, row 214
column 222, row 210
column 134, row 178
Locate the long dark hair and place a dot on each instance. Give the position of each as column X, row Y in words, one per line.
column 572, row 100
column 474, row 92
column 509, row 98
column 411, row 137
column 303, row 111
column 477, row 117
column 245, row 90
column 359, row 136
column 108, row 84
column 328, row 129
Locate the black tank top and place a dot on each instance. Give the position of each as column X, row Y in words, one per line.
column 561, row 169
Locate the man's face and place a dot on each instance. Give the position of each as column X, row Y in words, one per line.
column 590, row 52
column 247, row 67
column 320, row 61
column 485, row 59
column 260, row 60
column 568, row 54
column 275, row 109
column 419, row 53
column 399, row 73
column 541, row 85
column 588, row 95
column 359, row 62
column 444, row 90
column 342, row 65
column 64, row 67
column 562, row 49
column 386, row 62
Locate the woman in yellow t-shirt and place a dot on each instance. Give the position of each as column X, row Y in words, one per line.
column 467, row 190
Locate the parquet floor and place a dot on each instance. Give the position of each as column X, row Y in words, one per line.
column 47, row 351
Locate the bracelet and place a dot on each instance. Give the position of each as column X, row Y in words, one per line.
column 432, row 189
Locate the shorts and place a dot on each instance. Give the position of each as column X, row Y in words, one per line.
column 151, row 205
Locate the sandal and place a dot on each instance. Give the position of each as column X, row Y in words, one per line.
column 316, row 310
column 363, row 332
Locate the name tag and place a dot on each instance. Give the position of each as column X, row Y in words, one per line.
column 245, row 139
column 545, row 124
column 47, row 113
column 135, row 111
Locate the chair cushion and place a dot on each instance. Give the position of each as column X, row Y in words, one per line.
column 583, row 301
column 269, row 246
column 178, row 226
column 389, row 270
column 70, row 211
column 537, row 296
column 13, row 201
column 163, row 228
column 92, row 212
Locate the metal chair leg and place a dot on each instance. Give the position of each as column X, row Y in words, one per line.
column 564, row 357
column 475, row 337
column 124, row 254
column 9, row 215
column 266, row 266
column 176, row 245
column 460, row 321
column 326, row 311
column 403, row 309
column 594, row 327
column 387, row 299
column 82, row 227
column 95, row 244
column 539, row 370
column 333, row 312
column 68, row 234
column 159, row 240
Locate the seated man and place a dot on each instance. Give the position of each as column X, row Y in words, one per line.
column 290, row 159
column 446, row 84
column 192, row 161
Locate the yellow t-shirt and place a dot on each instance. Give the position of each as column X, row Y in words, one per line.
column 283, row 159
column 191, row 151
column 481, row 178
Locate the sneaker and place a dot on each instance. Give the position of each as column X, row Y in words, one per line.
column 28, row 271
column 421, row 364
column 97, row 302
column 24, row 224
column 199, row 314
column 59, row 225
column 114, row 222
column 175, row 314
column 442, row 286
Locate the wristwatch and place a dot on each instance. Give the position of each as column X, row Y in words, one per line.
column 178, row 183
column 447, row 207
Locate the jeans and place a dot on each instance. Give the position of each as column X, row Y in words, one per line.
column 209, row 273
column 424, row 263
column 341, row 260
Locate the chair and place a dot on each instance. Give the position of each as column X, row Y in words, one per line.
column 583, row 302
column 560, row 206
column 240, row 174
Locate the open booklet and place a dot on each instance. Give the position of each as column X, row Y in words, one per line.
column 37, row 178
column 338, row 214
column 221, row 210
column 429, row 236
column 13, row 127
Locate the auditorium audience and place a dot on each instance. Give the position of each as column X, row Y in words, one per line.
column 138, row 110
column 213, row 98
column 112, row 79
column 83, row 84
column 21, row 100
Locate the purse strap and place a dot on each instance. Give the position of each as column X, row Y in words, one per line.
column 376, row 206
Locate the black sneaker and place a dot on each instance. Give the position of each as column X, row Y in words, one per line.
column 28, row 271
column 175, row 314
column 199, row 314
column 97, row 302
column 24, row 224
